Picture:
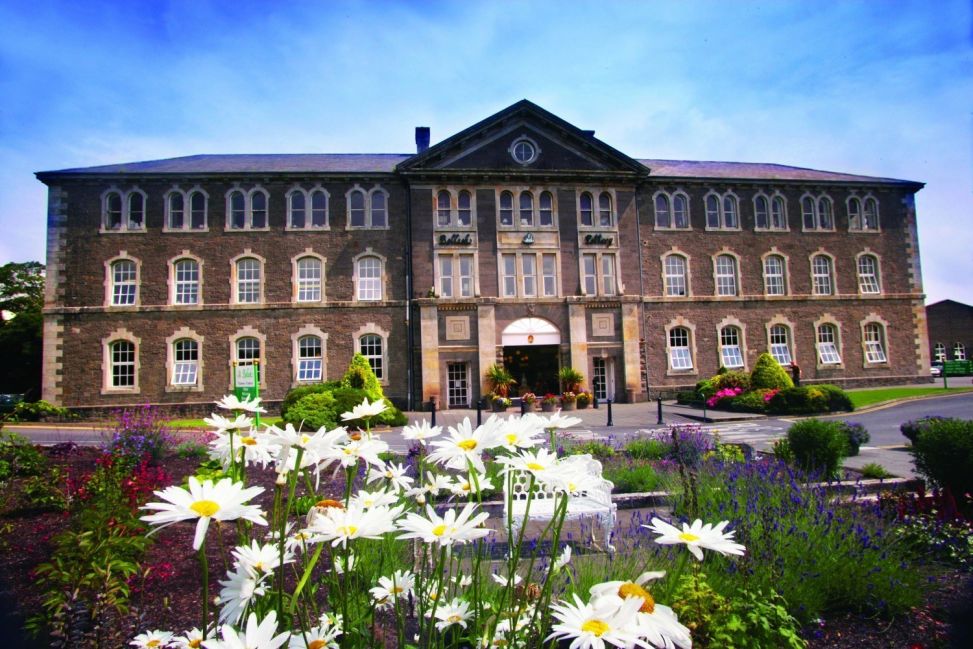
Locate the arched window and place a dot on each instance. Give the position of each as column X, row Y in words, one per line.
column 369, row 273
column 124, row 283
column 379, row 214
column 297, row 208
column 780, row 344
column 731, row 354
column 248, row 281
column 442, row 208
column 185, row 366
column 726, row 275
column 730, row 212
column 546, row 209
column 587, row 209
column 939, row 352
column 177, row 211
column 868, row 277
column 605, row 218
column 526, row 208
column 113, row 211
column 675, row 276
column 680, row 354
column 827, row 345
column 874, row 337
column 855, row 214
column 680, row 212
column 464, row 213
column 309, row 276
column 136, row 211
column 871, row 214
column 122, row 364
column 778, row 215
column 370, row 346
column 310, row 359
column 822, row 275
column 197, row 211
column 662, row 211
column 808, row 214
column 761, row 214
column 319, row 209
column 238, row 210
column 258, row 217
column 959, row 351
column 356, row 208
column 775, row 282
column 712, row 211
column 247, row 351
column 825, row 219
column 506, row 208
column 186, row 276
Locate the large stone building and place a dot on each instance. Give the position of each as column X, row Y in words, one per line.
column 522, row 239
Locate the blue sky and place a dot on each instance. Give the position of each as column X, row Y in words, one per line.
column 878, row 88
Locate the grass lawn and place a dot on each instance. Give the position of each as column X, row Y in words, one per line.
column 192, row 424
column 862, row 398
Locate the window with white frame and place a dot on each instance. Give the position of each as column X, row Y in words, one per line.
column 310, row 359
column 780, row 344
column 549, row 272
column 868, row 276
column 372, row 348
column 443, row 209
column 726, row 275
column 586, row 208
column 606, row 213
column 816, row 214
column 775, row 281
column 124, row 282
column 828, row 345
column 589, row 274
column 248, row 350
column 186, row 276
column 608, row 283
column 506, row 208
column 939, row 352
column 464, row 209
column 722, row 212
column 176, row 207
column 675, row 276
column 248, row 281
column 122, row 364
column 769, row 214
column 508, row 275
column 369, row 275
column 671, row 211
column 526, row 209
column 874, row 336
column 680, row 354
column 545, row 215
column 307, row 210
column 367, row 209
column 455, row 275
column 533, row 209
column 822, row 275
column 959, row 351
column 731, row 354
column 599, row 274
column 247, row 210
column 862, row 215
column 185, row 362
column 186, row 211
column 123, row 211
column 528, row 274
column 310, row 273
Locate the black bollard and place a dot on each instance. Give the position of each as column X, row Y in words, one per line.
column 523, row 407
column 658, row 403
column 479, row 412
column 594, row 403
column 610, row 422
column 432, row 407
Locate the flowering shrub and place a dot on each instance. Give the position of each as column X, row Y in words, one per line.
column 725, row 393
column 139, row 433
column 550, row 399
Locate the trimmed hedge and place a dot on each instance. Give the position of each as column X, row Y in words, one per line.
column 818, row 445
column 943, row 451
column 768, row 374
column 809, row 400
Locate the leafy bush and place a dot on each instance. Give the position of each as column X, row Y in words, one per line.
column 768, row 374
column 818, row 446
column 943, row 451
column 361, row 377
column 911, row 428
column 753, row 401
column 191, row 450
column 647, row 449
column 805, row 400
column 782, row 451
column 706, row 388
column 855, row 436
column 732, row 379
column 313, row 411
column 688, row 444
column 726, row 453
column 19, row 458
column 138, row 433
column 838, row 399
column 875, row 471
column 296, row 394
column 40, row 411
column 633, row 478
column 597, row 450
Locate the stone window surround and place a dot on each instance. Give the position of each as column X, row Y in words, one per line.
column 234, row 293
column 187, row 209
column 372, row 328
column 817, row 199
column 299, row 189
column 868, row 252
column 248, row 332
column 832, row 273
column 721, row 211
column 383, row 280
column 828, row 319
column 454, row 192
column 106, row 363
column 306, row 330
column 674, row 250
column 862, row 199
column 368, row 195
column 295, row 278
column 599, row 288
column 736, row 270
column 671, row 201
column 455, row 255
column 171, row 264
column 778, row 319
column 184, row 333
column 535, row 191
column 680, row 321
column 110, row 281
column 595, row 193
column 774, row 252
column 248, row 208
column 741, row 328
column 770, row 198
column 124, row 196
column 875, row 319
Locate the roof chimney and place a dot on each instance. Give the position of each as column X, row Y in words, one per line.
column 422, row 138
column 589, row 133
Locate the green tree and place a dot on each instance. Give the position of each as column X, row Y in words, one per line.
column 21, row 327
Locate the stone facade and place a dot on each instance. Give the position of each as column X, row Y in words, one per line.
column 521, row 240
column 951, row 330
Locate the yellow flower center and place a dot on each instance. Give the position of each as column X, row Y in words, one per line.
column 629, row 589
column 153, row 643
column 195, row 643
column 248, row 441
column 688, row 538
column 347, row 530
column 305, row 439
column 467, row 444
column 595, row 627
column 205, row 507
column 511, row 438
column 355, row 437
column 317, row 644
column 454, row 618
column 328, row 502
column 398, row 589
column 534, row 466
column 467, row 486
column 439, row 530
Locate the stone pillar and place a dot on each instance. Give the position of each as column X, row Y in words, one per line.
column 486, row 328
column 578, row 333
column 429, row 346
column 630, row 348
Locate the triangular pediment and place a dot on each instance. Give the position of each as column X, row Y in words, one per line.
column 523, row 138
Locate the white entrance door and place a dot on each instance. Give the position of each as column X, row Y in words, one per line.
column 603, row 381
column 458, row 385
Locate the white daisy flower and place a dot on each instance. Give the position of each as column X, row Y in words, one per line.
column 465, row 446
column 224, row 501
column 238, row 592
column 323, row 636
column 518, row 432
column 400, row 584
column 342, row 525
column 258, row 635
column 455, row 612
column 367, row 449
column 465, row 485
column 256, row 447
column 465, row 581
column 540, row 463
column 503, row 581
column 394, row 476
column 365, row 409
column 697, row 537
column 151, row 640
column 590, row 625
column 563, row 559
column 341, row 566
column 371, row 499
column 446, row 530
column 557, row 421
column 224, row 425
column 260, row 558
column 421, row 432
column 231, row 402
column 655, row 622
column 192, row 639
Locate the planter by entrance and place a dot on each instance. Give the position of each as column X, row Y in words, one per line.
column 548, row 407
column 499, row 407
column 569, row 405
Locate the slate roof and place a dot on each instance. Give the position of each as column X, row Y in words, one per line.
column 387, row 162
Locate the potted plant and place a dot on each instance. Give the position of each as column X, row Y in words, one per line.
column 500, row 380
column 530, row 399
column 550, row 402
column 583, row 400
column 500, row 402
column 569, row 400
column 571, row 379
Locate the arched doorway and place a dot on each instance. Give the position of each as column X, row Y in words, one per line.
column 530, row 354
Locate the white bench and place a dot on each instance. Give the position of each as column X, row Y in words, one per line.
column 595, row 502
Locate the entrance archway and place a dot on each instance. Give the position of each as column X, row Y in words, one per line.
column 530, row 354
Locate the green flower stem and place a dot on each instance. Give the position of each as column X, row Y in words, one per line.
column 560, row 513
column 204, row 564
column 304, row 577
column 439, row 595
